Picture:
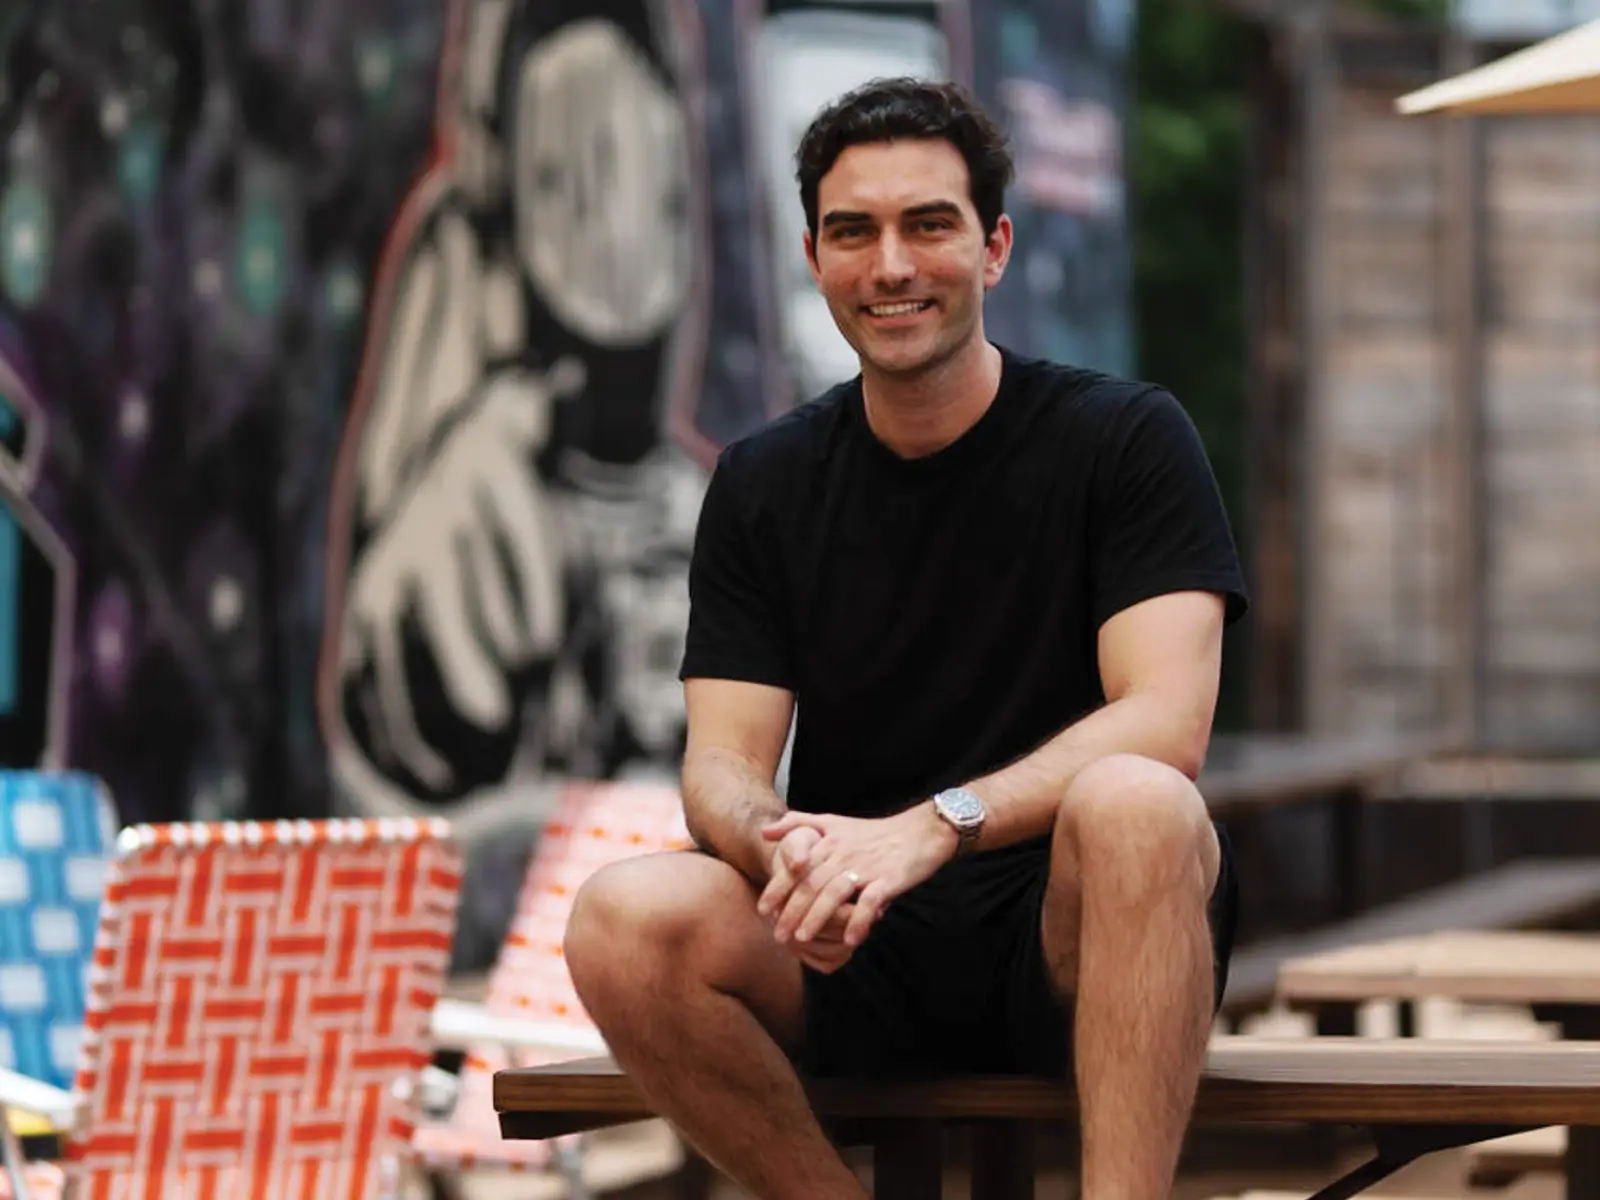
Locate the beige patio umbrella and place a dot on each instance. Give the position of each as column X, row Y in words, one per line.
column 1558, row 75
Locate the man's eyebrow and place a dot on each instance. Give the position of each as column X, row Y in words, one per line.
column 934, row 208
column 840, row 216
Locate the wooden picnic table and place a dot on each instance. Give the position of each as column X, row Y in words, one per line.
column 1524, row 894
column 1482, row 967
column 1556, row 974
column 1415, row 1095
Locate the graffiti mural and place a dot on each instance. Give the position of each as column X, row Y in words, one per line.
column 535, row 416
column 190, row 199
column 505, row 480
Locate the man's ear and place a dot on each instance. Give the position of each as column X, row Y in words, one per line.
column 811, row 256
column 997, row 251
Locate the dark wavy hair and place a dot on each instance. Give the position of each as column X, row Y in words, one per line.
column 886, row 109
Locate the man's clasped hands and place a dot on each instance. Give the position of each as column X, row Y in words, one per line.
column 830, row 878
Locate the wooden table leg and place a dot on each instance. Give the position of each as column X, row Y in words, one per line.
column 1336, row 1019
column 1579, row 1022
column 1583, row 1162
column 907, row 1161
column 1002, row 1160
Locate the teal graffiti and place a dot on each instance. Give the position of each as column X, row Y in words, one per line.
column 342, row 294
column 261, row 258
column 25, row 241
column 139, row 162
column 1019, row 38
column 377, row 68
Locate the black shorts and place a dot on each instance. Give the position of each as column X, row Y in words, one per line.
column 953, row 979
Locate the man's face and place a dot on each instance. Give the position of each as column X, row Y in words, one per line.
column 900, row 255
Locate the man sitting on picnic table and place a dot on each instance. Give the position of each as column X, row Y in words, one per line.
column 994, row 590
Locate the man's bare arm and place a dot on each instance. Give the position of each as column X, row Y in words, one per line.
column 735, row 739
column 1160, row 665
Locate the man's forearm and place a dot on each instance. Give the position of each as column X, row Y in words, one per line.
column 1022, row 798
column 726, row 804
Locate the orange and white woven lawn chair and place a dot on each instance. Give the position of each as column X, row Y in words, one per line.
column 257, row 1013
column 531, row 1014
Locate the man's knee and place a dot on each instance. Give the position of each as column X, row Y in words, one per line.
column 1138, row 827
column 642, row 917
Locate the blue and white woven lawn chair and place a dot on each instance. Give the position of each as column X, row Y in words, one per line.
column 57, row 833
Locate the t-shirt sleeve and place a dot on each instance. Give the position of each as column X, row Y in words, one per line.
column 736, row 612
column 1160, row 523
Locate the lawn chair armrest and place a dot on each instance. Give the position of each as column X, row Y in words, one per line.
column 57, row 1105
column 458, row 1023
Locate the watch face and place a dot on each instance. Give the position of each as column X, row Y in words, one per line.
column 963, row 807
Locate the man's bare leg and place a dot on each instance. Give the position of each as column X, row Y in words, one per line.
column 1133, row 862
column 696, row 1001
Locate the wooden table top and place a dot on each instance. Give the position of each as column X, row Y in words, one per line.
column 1356, row 1080
column 1519, row 895
column 1491, row 966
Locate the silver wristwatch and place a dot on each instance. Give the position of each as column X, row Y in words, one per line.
column 963, row 811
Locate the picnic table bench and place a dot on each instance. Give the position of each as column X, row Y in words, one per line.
column 1414, row 1095
column 1556, row 974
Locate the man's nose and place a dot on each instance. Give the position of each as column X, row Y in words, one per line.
column 892, row 266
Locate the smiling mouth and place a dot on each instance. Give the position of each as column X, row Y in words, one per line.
column 900, row 308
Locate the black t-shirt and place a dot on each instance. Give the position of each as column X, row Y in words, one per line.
column 937, row 618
